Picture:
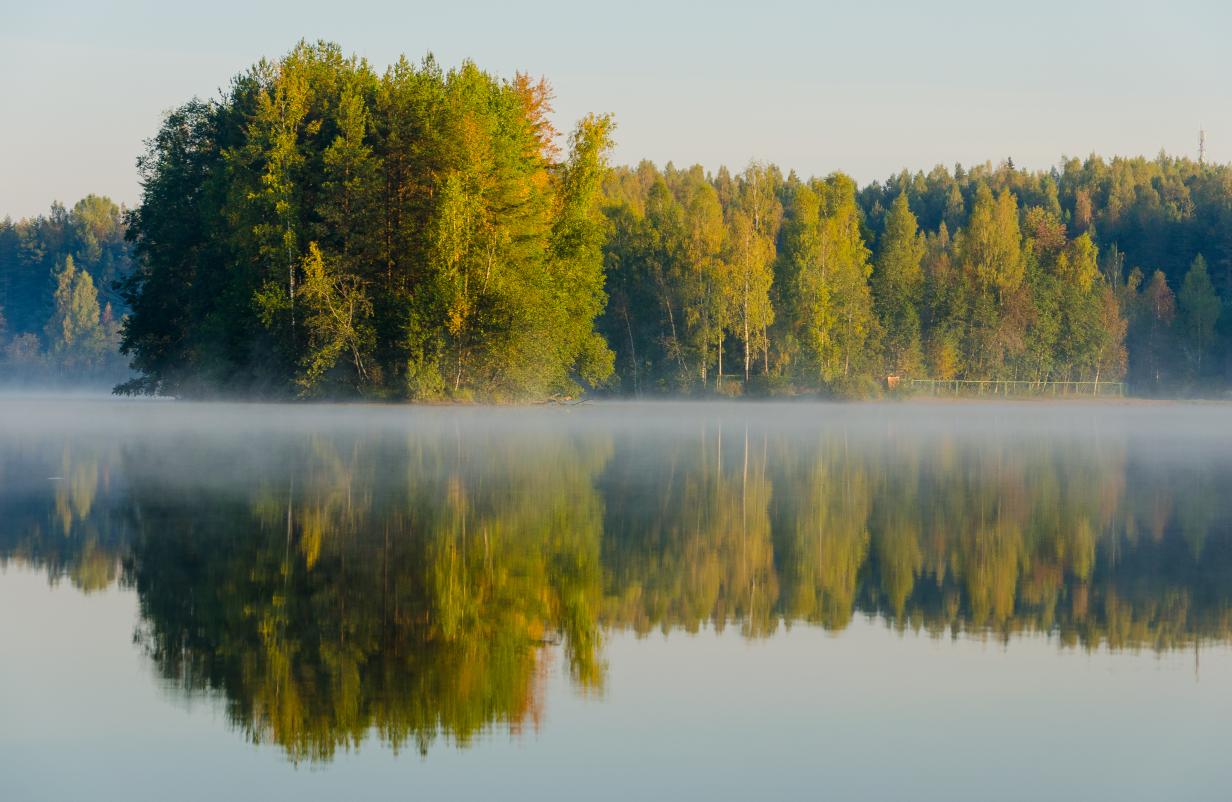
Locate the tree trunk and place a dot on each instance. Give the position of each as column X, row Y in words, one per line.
column 745, row 321
column 747, row 353
column 632, row 349
column 705, row 348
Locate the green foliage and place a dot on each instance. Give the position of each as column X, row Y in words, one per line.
column 74, row 323
column 897, row 284
column 337, row 315
column 844, row 267
column 33, row 251
column 1198, row 310
column 1012, row 294
column 484, row 263
column 412, row 234
column 990, row 245
column 1156, row 313
column 58, row 304
column 747, row 286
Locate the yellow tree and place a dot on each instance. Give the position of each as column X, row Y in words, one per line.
column 749, row 255
column 843, row 265
column 990, row 254
column 74, row 331
column 336, row 311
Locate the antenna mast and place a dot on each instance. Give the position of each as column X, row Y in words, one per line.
column 1201, row 146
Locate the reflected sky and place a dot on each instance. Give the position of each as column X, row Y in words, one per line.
column 696, row 601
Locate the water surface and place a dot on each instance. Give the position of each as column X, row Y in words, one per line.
column 949, row 601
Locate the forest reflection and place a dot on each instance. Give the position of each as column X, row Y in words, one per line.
column 419, row 583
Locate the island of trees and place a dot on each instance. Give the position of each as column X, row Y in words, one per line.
column 325, row 230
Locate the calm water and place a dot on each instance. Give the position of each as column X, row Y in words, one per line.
column 615, row 602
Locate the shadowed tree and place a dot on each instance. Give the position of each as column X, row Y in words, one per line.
column 1198, row 309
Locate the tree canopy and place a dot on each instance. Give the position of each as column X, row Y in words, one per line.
column 963, row 273
column 323, row 229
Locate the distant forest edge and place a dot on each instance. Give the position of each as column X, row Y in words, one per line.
column 60, row 304
column 324, row 230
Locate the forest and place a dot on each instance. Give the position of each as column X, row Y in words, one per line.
column 325, row 230
column 60, row 306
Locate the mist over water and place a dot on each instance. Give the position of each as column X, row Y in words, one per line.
column 376, row 578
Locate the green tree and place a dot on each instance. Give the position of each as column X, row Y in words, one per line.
column 827, row 265
column 991, row 244
column 73, row 330
column 273, row 202
column 666, row 265
column 990, row 255
column 438, row 199
column 1083, row 335
column 945, row 305
column 337, row 313
column 844, row 267
column 577, row 248
column 704, row 310
column 1159, row 313
column 897, row 282
column 1198, row 309
column 1045, row 242
column 806, row 308
column 1112, row 359
column 749, row 259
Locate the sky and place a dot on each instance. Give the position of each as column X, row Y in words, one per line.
column 868, row 88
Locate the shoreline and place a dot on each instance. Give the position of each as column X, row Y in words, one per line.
column 55, row 395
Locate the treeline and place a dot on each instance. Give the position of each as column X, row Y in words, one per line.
column 327, row 230
column 770, row 283
column 60, row 308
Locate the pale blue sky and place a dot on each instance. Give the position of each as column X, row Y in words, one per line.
column 867, row 87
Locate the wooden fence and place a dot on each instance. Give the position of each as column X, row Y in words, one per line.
column 1016, row 388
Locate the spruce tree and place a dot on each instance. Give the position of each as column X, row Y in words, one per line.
column 896, row 283
column 1198, row 310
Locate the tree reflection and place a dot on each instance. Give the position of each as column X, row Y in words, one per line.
column 59, row 510
column 409, row 588
column 419, row 584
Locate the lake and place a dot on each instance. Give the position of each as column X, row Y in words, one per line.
column 619, row 601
